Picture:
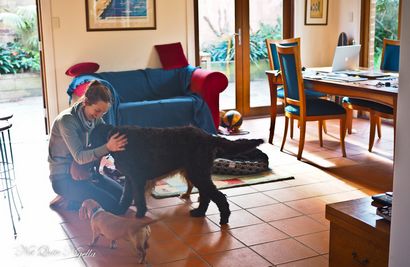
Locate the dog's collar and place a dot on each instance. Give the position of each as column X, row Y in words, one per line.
column 95, row 211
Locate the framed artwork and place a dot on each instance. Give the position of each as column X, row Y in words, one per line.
column 119, row 15
column 316, row 12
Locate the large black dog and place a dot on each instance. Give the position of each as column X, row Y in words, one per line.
column 155, row 152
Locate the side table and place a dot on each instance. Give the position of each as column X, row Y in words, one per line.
column 358, row 237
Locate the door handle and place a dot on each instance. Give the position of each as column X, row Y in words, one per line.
column 239, row 34
column 356, row 258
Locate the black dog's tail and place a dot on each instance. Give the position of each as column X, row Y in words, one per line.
column 228, row 147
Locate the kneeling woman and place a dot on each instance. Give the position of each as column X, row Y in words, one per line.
column 68, row 151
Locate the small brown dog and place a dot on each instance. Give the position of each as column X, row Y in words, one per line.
column 114, row 227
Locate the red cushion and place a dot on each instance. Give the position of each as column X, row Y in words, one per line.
column 82, row 68
column 171, row 56
column 80, row 90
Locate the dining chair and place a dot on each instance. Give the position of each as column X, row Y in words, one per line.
column 389, row 62
column 271, row 45
column 298, row 106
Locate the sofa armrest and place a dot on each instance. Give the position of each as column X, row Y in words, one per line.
column 209, row 84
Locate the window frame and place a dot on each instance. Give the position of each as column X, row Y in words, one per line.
column 365, row 30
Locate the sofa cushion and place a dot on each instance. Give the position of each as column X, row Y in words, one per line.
column 82, row 68
column 171, row 56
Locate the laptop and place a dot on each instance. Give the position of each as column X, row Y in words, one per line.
column 346, row 58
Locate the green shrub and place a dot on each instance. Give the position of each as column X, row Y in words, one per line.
column 5, row 61
column 15, row 59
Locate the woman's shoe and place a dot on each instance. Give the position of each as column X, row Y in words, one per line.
column 59, row 203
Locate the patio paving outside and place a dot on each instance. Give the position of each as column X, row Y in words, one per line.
column 259, row 95
column 28, row 119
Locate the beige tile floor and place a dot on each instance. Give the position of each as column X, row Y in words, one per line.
column 277, row 224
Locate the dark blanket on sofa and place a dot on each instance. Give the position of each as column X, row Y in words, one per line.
column 152, row 98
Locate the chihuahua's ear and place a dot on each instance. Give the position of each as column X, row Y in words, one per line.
column 83, row 213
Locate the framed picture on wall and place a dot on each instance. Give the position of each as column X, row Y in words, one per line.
column 119, row 15
column 316, row 12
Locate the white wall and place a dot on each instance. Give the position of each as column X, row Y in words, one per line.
column 400, row 233
column 113, row 50
column 319, row 41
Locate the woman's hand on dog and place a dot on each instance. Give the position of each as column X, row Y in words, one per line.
column 117, row 142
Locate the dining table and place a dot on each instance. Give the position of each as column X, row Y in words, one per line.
column 383, row 90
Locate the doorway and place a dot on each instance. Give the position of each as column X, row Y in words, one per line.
column 22, row 88
column 230, row 38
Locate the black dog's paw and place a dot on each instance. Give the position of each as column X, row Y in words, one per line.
column 224, row 217
column 197, row 213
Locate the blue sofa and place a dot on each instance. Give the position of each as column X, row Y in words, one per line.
column 153, row 98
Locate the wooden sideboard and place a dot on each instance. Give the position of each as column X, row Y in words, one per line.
column 358, row 237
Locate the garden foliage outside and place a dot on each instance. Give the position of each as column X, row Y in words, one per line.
column 387, row 22
column 22, row 54
column 224, row 50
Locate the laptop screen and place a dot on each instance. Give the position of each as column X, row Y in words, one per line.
column 346, row 58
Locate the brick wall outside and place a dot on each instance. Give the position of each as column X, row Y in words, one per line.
column 372, row 32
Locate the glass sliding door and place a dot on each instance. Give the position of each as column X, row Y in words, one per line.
column 216, row 26
column 265, row 22
column 231, row 39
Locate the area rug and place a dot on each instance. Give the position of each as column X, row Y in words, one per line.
column 175, row 185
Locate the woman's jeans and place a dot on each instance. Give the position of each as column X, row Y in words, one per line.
column 102, row 189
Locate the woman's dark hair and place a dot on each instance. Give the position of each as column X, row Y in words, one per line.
column 97, row 91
